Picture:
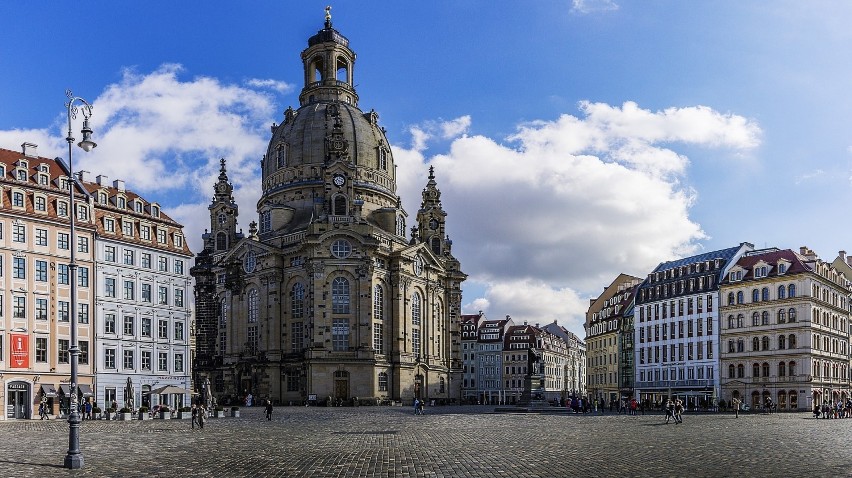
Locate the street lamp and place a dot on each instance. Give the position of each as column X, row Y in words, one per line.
column 74, row 458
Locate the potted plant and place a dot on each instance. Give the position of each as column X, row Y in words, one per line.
column 185, row 413
column 109, row 412
column 220, row 412
column 165, row 413
column 96, row 412
column 125, row 414
column 143, row 413
column 235, row 411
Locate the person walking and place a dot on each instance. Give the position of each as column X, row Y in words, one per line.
column 269, row 410
column 669, row 410
column 88, row 414
column 417, row 406
column 194, row 416
column 678, row 413
column 202, row 411
column 735, row 402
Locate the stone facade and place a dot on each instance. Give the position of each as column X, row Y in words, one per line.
column 327, row 298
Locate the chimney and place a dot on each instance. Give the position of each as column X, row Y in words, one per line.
column 803, row 250
column 29, row 150
column 118, row 184
column 842, row 255
column 83, row 175
column 101, row 180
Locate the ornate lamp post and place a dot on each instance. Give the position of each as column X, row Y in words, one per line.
column 74, row 458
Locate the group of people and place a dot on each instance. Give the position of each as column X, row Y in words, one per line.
column 840, row 409
column 418, row 406
column 674, row 410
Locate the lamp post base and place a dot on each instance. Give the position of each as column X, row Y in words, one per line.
column 73, row 462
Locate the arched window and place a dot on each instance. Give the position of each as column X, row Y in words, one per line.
column 755, row 295
column 730, row 321
column 223, row 313
column 342, row 70
column 791, row 314
column 415, row 309
column 436, row 245
column 740, row 297
column 791, row 341
column 764, row 318
column 755, row 319
column 221, row 241
column 340, row 205
column 782, row 316
column 252, row 306
column 765, row 293
column 340, row 296
column 318, row 70
column 731, row 371
column 755, row 344
column 297, row 300
column 765, row 369
column 730, row 298
column 755, row 370
column 378, row 303
column 740, row 345
column 782, row 342
column 791, row 291
column 782, row 291
column 782, row 369
column 740, row 319
column 731, row 346
column 764, row 343
column 740, row 371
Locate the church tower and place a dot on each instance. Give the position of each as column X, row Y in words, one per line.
column 328, row 299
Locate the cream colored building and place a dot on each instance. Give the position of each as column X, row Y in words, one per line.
column 785, row 330
column 603, row 330
column 35, row 288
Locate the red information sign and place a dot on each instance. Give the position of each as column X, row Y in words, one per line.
column 20, row 350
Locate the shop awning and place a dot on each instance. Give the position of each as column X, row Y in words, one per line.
column 65, row 389
column 85, row 390
column 48, row 390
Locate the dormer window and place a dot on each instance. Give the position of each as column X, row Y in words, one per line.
column 62, row 208
column 109, row 224
column 40, row 203
column 145, row 232
column 17, row 199
column 760, row 271
column 102, row 197
column 178, row 240
column 161, row 235
column 121, row 202
column 43, row 180
column 155, row 211
column 782, row 268
column 63, row 184
column 22, row 175
column 137, row 206
column 127, row 228
column 3, row 171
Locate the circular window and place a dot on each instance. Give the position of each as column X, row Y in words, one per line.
column 341, row 248
column 250, row 262
column 418, row 265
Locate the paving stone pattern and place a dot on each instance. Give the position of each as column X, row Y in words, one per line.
column 445, row 442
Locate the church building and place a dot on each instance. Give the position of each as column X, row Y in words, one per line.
column 328, row 296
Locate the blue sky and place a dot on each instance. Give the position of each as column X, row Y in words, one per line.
column 572, row 140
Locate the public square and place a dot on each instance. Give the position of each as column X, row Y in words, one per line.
column 445, row 442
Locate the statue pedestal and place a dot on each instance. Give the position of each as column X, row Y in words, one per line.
column 533, row 396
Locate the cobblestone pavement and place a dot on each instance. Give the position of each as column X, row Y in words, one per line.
column 445, row 442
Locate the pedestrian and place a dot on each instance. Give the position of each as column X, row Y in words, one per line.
column 41, row 411
column 678, row 414
column 669, row 410
column 633, row 406
column 416, row 406
column 202, row 411
column 194, row 416
column 269, row 410
column 88, row 413
column 735, row 402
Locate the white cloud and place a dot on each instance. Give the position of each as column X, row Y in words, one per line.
column 571, row 203
column 277, row 85
column 592, row 6
column 533, row 301
column 426, row 131
column 455, row 128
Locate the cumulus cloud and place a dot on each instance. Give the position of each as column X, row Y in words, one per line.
column 424, row 132
column 560, row 304
column 569, row 204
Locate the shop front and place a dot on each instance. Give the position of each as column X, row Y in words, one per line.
column 18, row 400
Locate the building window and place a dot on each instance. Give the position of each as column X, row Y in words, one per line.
column 63, row 274
column 19, row 307
column 128, row 325
column 178, row 297
column 19, row 233
column 383, row 382
column 145, row 232
column 340, row 335
column 109, row 359
column 129, row 290
column 378, row 303
column 146, row 327
column 82, row 212
column 83, row 276
column 297, row 340
column 40, row 204
column 128, row 257
column 41, row 309
column 340, row 295
column 41, row 349
column 415, row 341
column 41, row 237
column 378, row 338
column 17, row 199
column 83, row 313
column 161, row 235
column 62, row 241
column 64, row 314
column 163, row 329
column 109, row 287
column 129, row 360
column 83, row 244
column 178, row 330
column 84, row 352
column 163, row 264
column 265, row 221
column 297, row 300
column 62, row 351
column 146, row 360
column 252, row 338
column 341, row 249
column 178, row 362
column 163, row 361
column 163, row 295
column 293, row 381
column 415, row 309
column 146, row 260
column 40, row 271
column 178, row 266
column 109, row 253
column 252, row 306
column 146, row 293
column 62, row 208
column 109, row 323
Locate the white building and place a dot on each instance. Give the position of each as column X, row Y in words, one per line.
column 141, row 302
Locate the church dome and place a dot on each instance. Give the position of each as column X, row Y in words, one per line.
column 328, row 141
